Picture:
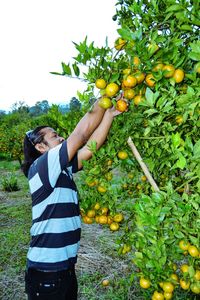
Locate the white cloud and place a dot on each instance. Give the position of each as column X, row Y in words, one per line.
column 36, row 36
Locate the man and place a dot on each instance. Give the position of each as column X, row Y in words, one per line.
column 49, row 164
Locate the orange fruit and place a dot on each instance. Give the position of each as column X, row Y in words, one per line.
column 158, row 67
column 195, row 288
column 136, row 61
column 121, row 105
column 184, row 284
column 118, row 218
column 168, row 71
column 105, row 102
column 100, row 83
column 143, row 178
column 111, row 89
column 122, row 155
column 174, row 276
column 101, row 189
column 150, row 80
column 105, row 282
column 129, row 94
column 168, row 296
column 145, row 283
column 97, row 206
column 126, row 71
column 197, row 275
column 87, row 220
column 130, row 81
column 184, row 268
column 114, row 226
column 97, row 219
column 139, row 76
column 178, row 75
column 109, row 220
column 184, row 245
column 104, row 210
column 157, row 296
column 91, row 213
column 137, row 99
column 103, row 219
column 179, row 119
column 193, row 251
column 119, row 44
column 168, row 287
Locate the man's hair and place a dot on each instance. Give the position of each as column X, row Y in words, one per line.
column 32, row 138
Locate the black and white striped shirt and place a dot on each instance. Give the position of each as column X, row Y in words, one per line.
column 56, row 225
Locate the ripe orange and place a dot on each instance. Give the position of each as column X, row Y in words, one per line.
column 179, row 120
column 184, row 245
column 143, row 178
column 111, row 89
column 130, row 81
column 97, row 206
column 126, row 71
column 168, row 287
column 100, row 83
column 105, row 282
column 119, row 44
column 158, row 67
column 87, row 220
column 193, row 251
column 145, row 283
column 105, row 102
column 195, row 288
column 114, row 226
column 197, row 275
column 157, row 296
column 139, row 76
column 137, row 99
column 184, row 268
column 104, row 210
column 91, row 213
column 109, row 220
column 118, row 217
column 121, row 105
column 168, row 296
column 136, row 61
column 122, row 155
column 168, row 71
column 101, row 189
column 184, row 284
column 150, row 80
column 129, row 94
column 103, row 219
column 178, row 75
column 174, row 276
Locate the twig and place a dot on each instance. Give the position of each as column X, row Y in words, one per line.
column 142, row 165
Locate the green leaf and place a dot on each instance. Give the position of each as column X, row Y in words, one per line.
column 181, row 163
column 197, row 149
column 186, row 27
column 174, row 7
column 176, row 139
column 66, row 69
column 76, row 69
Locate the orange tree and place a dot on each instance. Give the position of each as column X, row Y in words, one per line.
column 154, row 66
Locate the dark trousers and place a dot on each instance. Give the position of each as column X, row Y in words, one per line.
column 61, row 285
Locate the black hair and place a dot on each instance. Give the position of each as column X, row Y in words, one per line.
column 32, row 138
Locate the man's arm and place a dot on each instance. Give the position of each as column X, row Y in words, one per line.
column 84, row 129
column 99, row 135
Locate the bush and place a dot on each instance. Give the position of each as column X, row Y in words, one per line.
column 10, row 183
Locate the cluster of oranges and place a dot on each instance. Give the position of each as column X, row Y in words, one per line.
column 101, row 215
column 132, row 77
column 190, row 278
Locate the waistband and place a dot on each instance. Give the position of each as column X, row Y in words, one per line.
column 50, row 273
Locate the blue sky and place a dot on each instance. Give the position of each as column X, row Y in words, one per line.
column 37, row 35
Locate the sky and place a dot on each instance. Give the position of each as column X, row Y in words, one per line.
column 37, row 35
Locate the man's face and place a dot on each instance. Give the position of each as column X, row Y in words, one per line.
column 51, row 139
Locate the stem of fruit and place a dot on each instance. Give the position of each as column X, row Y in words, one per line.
column 142, row 165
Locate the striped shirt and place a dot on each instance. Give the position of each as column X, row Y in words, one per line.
column 56, row 225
